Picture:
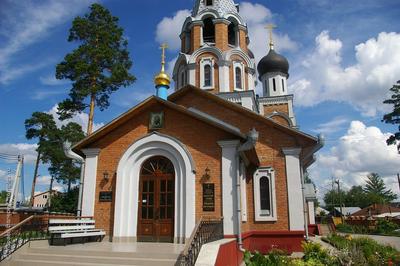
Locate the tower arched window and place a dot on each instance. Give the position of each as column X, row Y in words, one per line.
column 208, row 30
column 232, row 34
column 208, row 2
column 274, row 84
column 238, row 76
column 207, row 76
column 283, row 85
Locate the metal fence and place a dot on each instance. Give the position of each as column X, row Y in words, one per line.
column 206, row 230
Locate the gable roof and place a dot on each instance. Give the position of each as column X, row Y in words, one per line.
column 291, row 131
column 151, row 100
column 376, row 209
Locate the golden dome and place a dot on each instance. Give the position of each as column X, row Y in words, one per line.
column 162, row 79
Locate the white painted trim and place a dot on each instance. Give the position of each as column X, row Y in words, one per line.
column 270, row 174
column 223, row 78
column 294, row 188
column 127, row 185
column 207, row 61
column 89, row 183
column 209, row 252
column 229, row 191
column 311, row 212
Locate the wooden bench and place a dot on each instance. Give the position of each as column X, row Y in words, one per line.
column 74, row 228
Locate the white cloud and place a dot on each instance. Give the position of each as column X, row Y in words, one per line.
column 169, row 28
column 365, row 85
column 256, row 17
column 43, row 180
column 26, row 149
column 360, row 151
column 81, row 119
column 25, row 23
column 44, row 94
column 336, row 124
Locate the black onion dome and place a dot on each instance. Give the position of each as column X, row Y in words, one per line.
column 273, row 62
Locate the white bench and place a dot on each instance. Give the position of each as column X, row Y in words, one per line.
column 74, row 228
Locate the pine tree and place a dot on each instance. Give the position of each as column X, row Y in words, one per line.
column 98, row 67
column 40, row 126
column 376, row 190
column 394, row 116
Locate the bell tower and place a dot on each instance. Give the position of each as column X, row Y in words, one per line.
column 214, row 52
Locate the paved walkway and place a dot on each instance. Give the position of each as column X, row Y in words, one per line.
column 393, row 241
column 329, row 247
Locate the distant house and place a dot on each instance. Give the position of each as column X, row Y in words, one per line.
column 378, row 210
column 346, row 211
column 40, row 200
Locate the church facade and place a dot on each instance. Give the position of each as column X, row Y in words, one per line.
column 211, row 149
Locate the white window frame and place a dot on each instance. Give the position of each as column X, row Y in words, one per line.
column 238, row 64
column 270, row 174
column 204, row 62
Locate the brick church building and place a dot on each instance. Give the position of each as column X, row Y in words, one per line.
column 212, row 148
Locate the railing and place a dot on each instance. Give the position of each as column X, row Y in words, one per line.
column 32, row 228
column 206, row 230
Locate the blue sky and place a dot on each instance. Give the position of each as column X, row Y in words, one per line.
column 343, row 59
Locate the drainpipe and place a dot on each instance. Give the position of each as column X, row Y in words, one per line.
column 72, row 155
column 252, row 138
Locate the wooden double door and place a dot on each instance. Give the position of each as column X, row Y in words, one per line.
column 156, row 201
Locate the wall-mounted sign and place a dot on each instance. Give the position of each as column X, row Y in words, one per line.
column 208, row 198
column 156, row 120
column 105, row 196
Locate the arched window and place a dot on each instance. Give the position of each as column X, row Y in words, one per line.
column 232, row 34
column 207, row 76
column 264, row 194
column 283, row 85
column 265, row 198
column 238, row 75
column 208, row 2
column 209, row 30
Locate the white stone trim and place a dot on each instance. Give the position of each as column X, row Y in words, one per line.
column 294, row 189
column 89, row 183
column 311, row 212
column 207, row 61
column 270, row 174
column 229, row 191
column 127, row 185
column 209, row 252
column 238, row 64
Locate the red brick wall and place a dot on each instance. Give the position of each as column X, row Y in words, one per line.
column 271, row 141
column 200, row 139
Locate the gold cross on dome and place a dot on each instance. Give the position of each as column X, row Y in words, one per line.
column 163, row 47
column 270, row 27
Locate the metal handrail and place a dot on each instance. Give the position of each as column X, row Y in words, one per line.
column 205, row 231
column 15, row 227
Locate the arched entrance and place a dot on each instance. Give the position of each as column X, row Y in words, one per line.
column 156, row 200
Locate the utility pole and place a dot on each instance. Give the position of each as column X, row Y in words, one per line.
column 333, row 197
column 398, row 179
column 340, row 197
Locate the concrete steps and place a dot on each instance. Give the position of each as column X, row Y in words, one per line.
column 102, row 254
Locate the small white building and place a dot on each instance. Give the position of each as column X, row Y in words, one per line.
column 40, row 200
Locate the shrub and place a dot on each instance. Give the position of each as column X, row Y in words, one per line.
column 386, row 227
column 274, row 258
column 344, row 228
column 314, row 254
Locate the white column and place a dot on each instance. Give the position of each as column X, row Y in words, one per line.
column 89, row 183
column 192, row 74
column 294, row 189
column 229, row 191
column 224, row 76
column 311, row 212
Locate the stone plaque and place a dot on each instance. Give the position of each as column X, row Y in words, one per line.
column 105, row 196
column 208, row 198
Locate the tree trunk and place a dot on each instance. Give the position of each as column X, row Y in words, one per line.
column 50, row 194
column 34, row 179
column 91, row 114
